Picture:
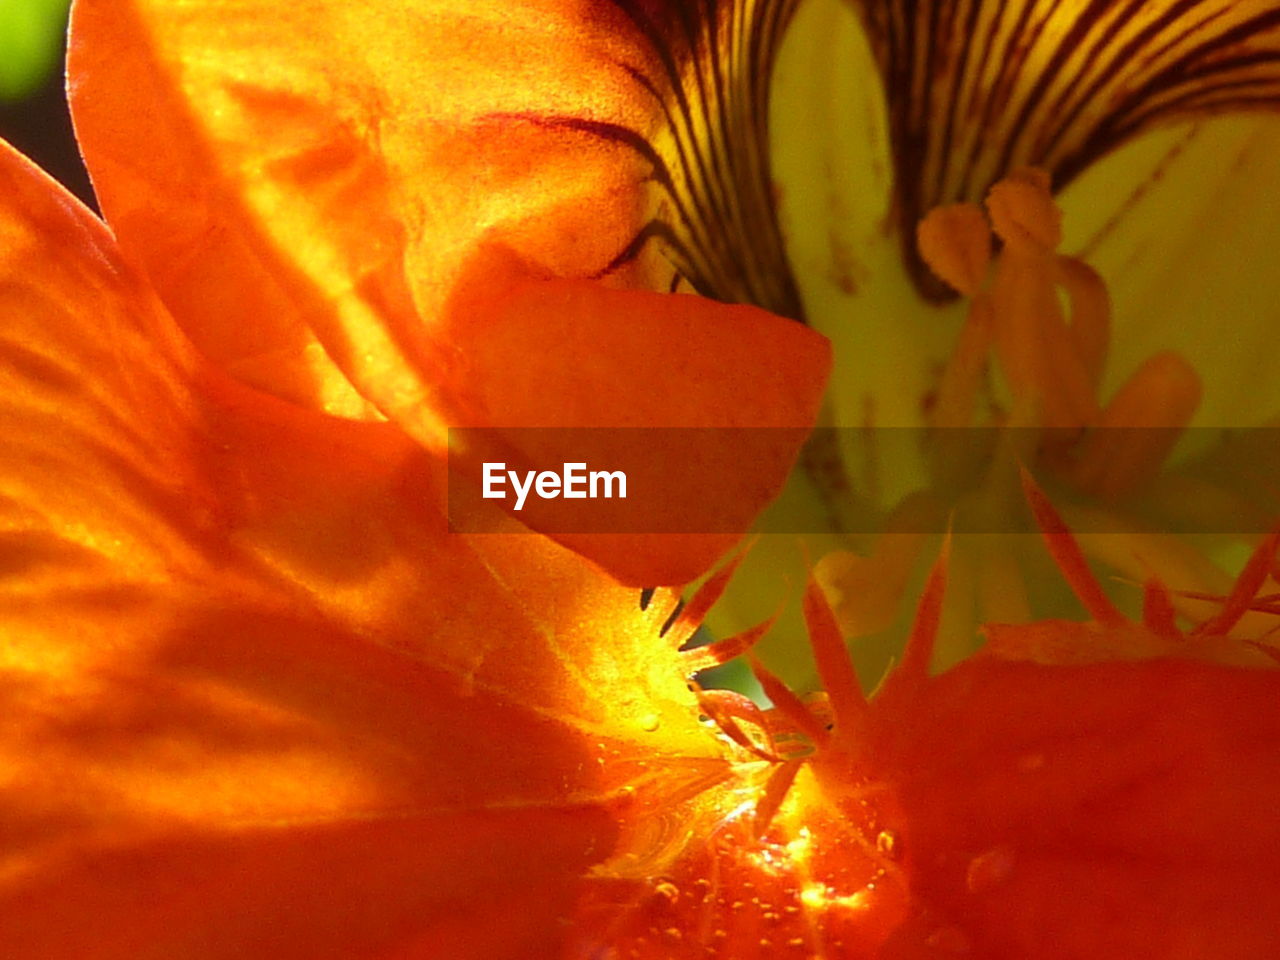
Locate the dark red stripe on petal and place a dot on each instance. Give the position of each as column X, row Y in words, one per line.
column 710, row 73
column 977, row 89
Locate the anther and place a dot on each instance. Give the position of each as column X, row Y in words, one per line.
column 955, row 242
column 1023, row 213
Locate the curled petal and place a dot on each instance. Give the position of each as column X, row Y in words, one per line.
column 731, row 391
column 359, row 195
column 305, row 220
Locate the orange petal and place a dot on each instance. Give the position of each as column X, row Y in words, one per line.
column 231, row 780
column 340, row 193
column 346, row 206
column 573, row 354
column 335, row 195
column 128, row 460
column 332, row 198
column 423, row 885
column 1115, row 810
column 251, row 685
column 69, row 307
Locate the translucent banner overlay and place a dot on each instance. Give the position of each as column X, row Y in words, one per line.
column 861, row 481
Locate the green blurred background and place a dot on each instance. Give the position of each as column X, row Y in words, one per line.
column 33, row 109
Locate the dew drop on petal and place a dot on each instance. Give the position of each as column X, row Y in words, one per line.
column 887, row 844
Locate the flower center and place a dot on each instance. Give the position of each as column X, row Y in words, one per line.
column 1021, row 384
column 1042, row 319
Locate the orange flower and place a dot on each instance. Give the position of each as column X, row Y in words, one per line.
column 1070, row 807
column 1135, row 322
column 260, row 702
column 383, row 239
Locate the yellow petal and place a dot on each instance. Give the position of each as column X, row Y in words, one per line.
column 976, row 90
column 1183, row 225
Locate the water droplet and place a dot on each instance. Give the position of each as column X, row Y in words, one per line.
column 674, row 933
column 989, row 869
column 650, row 722
column 887, row 844
column 668, row 890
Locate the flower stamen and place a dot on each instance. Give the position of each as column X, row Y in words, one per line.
column 722, row 651
column 924, row 628
column 1068, row 556
column 1246, row 588
column 839, row 679
column 1158, row 614
column 1043, row 358
column 725, row 708
column 790, row 706
column 1051, row 361
column 1138, row 429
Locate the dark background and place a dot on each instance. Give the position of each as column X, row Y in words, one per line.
column 40, row 127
